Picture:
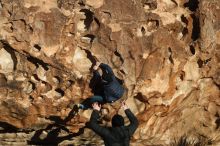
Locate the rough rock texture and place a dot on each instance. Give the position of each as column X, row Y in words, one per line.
column 167, row 52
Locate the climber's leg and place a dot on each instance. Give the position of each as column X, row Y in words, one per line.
column 89, row 101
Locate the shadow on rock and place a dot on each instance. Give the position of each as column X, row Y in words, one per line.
column 7, row 128
column 57, row 132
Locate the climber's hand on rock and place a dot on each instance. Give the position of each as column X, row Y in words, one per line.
column 96, row 66
column 96, row 106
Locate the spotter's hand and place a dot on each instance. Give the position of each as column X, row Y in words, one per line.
column 96, row 106
column 124, row 105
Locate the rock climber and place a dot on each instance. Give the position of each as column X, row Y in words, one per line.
column 109, row 89
column 106, row 89
column 118, row 134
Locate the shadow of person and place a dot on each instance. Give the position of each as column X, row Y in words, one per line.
column 71, row 114
column 7, row 128
column 52, row 137
column 51, row 134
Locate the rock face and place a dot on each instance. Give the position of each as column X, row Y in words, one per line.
column 167, row 52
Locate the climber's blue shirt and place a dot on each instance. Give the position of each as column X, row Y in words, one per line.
column 113, row 90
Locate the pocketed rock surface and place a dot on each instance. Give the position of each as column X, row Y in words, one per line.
column 166, row 52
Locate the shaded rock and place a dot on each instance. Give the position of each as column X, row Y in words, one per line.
column 3, row 80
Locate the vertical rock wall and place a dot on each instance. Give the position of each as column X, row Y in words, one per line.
column 167, row 52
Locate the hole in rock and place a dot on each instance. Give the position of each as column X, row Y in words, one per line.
column 33, row 85
column 157, row 23
column 89, row 17
column 205, row 109
column 59, row 3
column 23, row 21
column 81, row 3
column 37, row 61
column 122, row 71
column 200, row 63
column 31, row 28
column 60, row 91
column 11, row 28
column 47, row 87
column 36, row 77
column 131, row 54
column 184, row 20
column 149, row 4
column 182, row 141
column 36, row 46
column 192, row 49
column 182, row 75
column 31, row 98
column 91, row 37
column 196, row 27
column 107, row 14
column 143, row 30
column 185, row 31
column 141, row 98
column 175, row 2
column 90, row 57
column 56, row 79
column 192, row 5
column 153, row 24
column 119, row 55
column 97, row 21
column 170, row 55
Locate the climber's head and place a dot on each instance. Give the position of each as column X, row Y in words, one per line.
column 117, row 121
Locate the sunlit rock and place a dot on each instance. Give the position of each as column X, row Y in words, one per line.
column 95, row 3
column 6, row 61
column 80, row 60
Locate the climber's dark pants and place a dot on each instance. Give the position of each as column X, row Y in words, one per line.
column 89, row 101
